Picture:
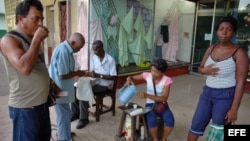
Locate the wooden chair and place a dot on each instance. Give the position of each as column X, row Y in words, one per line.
column 100, row 107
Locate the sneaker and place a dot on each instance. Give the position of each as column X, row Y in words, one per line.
column 73, row 118
column 82, row 123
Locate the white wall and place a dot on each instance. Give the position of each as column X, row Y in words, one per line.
column 185, row 37
column 186, row 23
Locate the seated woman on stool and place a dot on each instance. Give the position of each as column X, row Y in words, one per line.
column 162, row 87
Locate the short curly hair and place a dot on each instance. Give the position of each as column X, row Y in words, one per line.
column 228, row 19
column 160, row 64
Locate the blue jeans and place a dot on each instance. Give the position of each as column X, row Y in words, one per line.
column 31, row 124
column 63, row 121
column 167, row 116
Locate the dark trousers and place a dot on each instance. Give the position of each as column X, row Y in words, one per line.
column 80, row 107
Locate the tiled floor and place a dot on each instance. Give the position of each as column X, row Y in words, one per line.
column 183, row 98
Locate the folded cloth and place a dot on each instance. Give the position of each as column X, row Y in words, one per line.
column 84, row 89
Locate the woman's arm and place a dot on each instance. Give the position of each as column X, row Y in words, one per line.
column 163, row 98
column 130, row 79
column 208, row 70
column 242, row 64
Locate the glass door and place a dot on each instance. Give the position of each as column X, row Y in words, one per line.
column 208, row 14
column 202, row 39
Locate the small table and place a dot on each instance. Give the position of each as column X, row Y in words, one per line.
column 126, row 110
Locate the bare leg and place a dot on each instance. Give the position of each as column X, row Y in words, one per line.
column 192, row 137
column 154, row 134
column 166, row 132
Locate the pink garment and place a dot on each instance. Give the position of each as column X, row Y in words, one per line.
column 170, row 49
column 168, row 82
column 82, row 55
column 95, row 34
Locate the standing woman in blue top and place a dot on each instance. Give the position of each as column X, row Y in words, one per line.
column 162, row 87
column 226, row 66
column 62, row 71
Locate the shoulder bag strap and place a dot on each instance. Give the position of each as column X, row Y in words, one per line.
column 19, row 35
column 25, row 40
column 154, row 87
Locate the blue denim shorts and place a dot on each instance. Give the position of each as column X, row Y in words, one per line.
column 167, row 116
column 31, row 124
column 213, row 104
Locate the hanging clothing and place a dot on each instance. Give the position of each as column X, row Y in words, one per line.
column 170, row 49
column 164, row 33
column 123, row 46
column 95, row 33
column 148, row 36
column 82, row 55
column 128, row 24
column 125, row 35
column 137, row 47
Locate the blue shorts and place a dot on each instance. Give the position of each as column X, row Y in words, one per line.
column 213, row 104
column 166, row 116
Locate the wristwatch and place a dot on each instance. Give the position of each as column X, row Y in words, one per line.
column 101, row 76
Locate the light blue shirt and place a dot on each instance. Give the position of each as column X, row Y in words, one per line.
column 62, row 62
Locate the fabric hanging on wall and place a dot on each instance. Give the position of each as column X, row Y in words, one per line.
column 170, row 49
column 82, row 27
column 164, row 32
column 125, row 35
column 95, row 28
column 123, row 46
column 112, row 32
column 137, row 46
column 128, row 24
column 95, row 34
column 148, row 37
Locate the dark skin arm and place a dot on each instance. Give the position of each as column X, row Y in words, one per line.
column 21, row 60
column 73, row 74
column 162, row 98
column 56, row 88
column 242, row 64
column 98, row 75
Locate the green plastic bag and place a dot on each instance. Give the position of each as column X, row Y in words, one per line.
column 215, row 133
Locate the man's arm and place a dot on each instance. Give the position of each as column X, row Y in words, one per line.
column 21, row 60
column 73, row 74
